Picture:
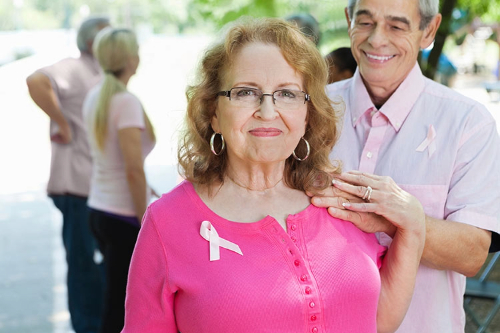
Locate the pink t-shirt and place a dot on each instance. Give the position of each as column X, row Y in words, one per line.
column 321, row 275
column 109, row 190
column 71, row 164
column 444, row 149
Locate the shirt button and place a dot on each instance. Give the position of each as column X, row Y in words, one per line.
column 293, row 227
column 303, row 278
column 312, row 305
column 354, row 119
column 297, row 262
column 372, row 113
column 313, row 318
column 369, row 154
column 293, row 239
column 308, row 290
column 314, row 330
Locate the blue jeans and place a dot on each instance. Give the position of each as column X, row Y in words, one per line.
column 85, row 278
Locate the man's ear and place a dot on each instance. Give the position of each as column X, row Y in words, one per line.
column 347, row 18
column 430, row 32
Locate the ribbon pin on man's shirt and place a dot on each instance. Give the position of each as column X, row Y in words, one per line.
column 429, row 142
column 208, row 232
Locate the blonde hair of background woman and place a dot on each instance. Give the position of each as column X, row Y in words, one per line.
column 113, row 48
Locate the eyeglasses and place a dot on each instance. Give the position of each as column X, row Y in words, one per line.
column 252, row 97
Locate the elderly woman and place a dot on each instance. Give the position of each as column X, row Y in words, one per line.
column 120, row 136
column 238, row 247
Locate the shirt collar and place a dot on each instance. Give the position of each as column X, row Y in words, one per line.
column 397, row 107
column 91, row 62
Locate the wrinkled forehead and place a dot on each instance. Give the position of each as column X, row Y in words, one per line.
column 406, row 11
column 260, row 63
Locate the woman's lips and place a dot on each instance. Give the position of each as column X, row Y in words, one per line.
column 263, row 132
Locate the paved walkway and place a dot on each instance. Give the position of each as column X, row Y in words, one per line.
column 32, row 266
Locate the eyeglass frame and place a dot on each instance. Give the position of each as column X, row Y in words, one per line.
column 227, row 93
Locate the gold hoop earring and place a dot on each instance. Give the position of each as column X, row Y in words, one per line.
column 212, row 148
column 307, row 154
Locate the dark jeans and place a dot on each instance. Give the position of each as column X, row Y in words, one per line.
column 85, row 278
column 116, row 238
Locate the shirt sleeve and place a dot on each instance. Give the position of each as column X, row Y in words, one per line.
column 149, row 304
column 128, row 110
column 474, row 194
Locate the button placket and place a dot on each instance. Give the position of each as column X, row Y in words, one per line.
column 304, row 276
column 368, row 160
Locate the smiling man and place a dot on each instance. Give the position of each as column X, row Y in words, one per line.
column 415, row 143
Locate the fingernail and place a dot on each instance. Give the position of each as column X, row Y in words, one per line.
column 346, row 204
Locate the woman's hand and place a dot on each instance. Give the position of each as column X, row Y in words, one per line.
column 386, row 208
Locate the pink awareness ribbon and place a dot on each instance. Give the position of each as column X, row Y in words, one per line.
column 208, row 232
column 429, row 142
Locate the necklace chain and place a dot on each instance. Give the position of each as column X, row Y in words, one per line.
column 251, row 189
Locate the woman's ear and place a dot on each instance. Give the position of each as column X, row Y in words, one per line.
column 215, row 123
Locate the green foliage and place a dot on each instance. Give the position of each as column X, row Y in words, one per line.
column 174, row 16
column 493, row 13
column 475, row 8
column 487, row 10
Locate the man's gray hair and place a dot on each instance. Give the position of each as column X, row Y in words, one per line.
column 88, row 30
column 428, row 9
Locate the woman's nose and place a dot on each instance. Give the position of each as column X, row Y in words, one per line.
column 267, row 109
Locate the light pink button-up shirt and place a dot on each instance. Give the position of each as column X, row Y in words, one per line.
column 71, row 164
column 444, row 149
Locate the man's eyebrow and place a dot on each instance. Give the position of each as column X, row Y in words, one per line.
column 363, row 12
column 401, row 19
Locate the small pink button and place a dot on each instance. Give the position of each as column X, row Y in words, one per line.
column 312, row 305
column 297, row 262
column 303, row 278
column 308, row 290
column 293, row 227
column 293, row 239
column 313, row 318
column 314, row 330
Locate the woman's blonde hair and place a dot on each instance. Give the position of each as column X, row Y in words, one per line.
column 199, row 165
column 113, row 48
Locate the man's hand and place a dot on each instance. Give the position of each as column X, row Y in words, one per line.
column 42, row 93
column 63, row 136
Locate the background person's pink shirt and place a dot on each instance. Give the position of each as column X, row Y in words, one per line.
column 71, row 164
column 455, row 173
column 321, row 275
column 109, row 188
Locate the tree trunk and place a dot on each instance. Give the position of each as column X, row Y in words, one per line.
column 442, row 33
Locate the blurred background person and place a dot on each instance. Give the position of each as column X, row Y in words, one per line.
column 341, row 64
column 446, row 70
column 120, row 136
column 59, row 90
column 307, row 24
